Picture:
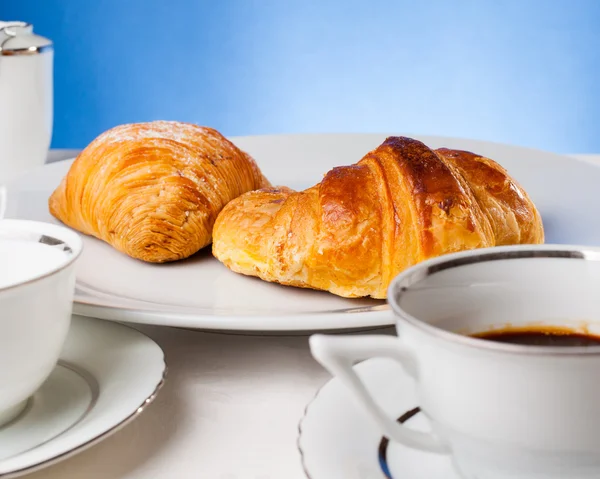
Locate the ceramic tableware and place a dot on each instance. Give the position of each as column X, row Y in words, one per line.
column 499, row 410
column 26, row 96
column 338, row 440
column 37, row 283
column 106, row 376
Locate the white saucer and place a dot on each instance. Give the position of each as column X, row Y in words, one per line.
column 107, row 375
column 204, row 294
column 339, row 441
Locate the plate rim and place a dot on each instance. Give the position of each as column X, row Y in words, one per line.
column 294, row 322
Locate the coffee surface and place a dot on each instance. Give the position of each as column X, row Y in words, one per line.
column 541, row 337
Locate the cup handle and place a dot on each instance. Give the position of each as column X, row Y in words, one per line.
column 338, row 354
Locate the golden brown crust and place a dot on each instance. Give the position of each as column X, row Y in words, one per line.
column 506, row 204
column 365, row 223
column 154, row 190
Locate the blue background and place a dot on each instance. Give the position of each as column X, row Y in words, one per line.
column 523, row 72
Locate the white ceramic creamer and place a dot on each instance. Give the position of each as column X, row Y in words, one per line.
column 26, row 99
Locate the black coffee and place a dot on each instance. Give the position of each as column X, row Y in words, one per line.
column 541, row 337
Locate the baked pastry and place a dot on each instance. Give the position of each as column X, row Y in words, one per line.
column 363, row 224
column 154, row 190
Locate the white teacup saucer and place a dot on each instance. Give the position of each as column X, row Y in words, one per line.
column 339, row 441
column 106, row 376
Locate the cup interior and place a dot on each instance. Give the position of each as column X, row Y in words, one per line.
column 31, row 250
column 503, row 288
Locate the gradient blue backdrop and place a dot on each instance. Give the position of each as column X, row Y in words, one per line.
column 525, row 72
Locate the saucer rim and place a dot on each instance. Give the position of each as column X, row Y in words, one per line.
column 105, row 433
column 330, row 381
column 92, row 442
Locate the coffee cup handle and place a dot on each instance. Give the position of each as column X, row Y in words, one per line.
column 338, row 354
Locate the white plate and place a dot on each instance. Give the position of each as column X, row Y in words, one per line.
column 339, row 441
column 202, row 293
column 107, row 375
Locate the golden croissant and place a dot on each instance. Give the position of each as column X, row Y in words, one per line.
column 363, row 224
column 154, row 190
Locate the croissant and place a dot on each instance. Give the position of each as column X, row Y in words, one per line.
column 363, row 224
column 153, row 190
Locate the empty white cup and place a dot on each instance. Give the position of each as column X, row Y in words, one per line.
column 37, row 284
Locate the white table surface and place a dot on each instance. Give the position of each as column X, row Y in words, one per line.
column 229, row 410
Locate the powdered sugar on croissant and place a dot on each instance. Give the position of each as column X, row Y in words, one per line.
column 154, row 190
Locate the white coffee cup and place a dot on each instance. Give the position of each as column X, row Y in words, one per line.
column 500, row 410
column 37, row 284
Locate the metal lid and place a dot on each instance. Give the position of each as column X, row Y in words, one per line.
column 17, row 38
